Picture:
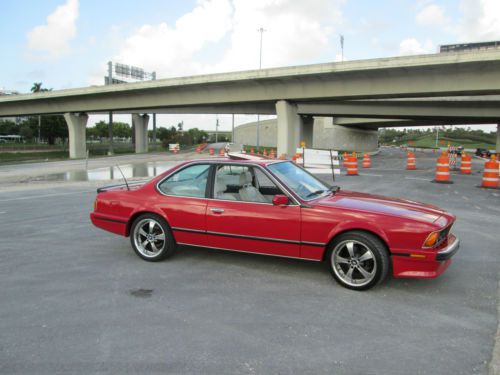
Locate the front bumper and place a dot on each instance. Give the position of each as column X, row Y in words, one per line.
column 431, row 265
column 450, row 250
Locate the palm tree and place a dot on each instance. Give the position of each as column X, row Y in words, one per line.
column 37, row 87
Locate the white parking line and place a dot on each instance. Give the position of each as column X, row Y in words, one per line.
column 3, row 212
column 46, row 196
column 371, row 175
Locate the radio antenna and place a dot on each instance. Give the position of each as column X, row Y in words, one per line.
column 126, row 183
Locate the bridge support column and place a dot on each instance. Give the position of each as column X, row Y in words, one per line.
column 289, row 128
column 141, row 132
column 77, row 125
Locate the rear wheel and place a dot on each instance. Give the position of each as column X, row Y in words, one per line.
column 358, row 260
column 151, row 238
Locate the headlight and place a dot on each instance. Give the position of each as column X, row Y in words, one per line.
column 431, row 240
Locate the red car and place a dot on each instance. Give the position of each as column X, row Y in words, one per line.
column 275, row 207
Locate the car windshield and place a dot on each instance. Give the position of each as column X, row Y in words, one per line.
column 305, row 185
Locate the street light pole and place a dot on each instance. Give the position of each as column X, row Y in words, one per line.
column 261, row 31
column 342, row 47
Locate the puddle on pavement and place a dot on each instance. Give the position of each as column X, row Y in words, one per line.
column 146, row 170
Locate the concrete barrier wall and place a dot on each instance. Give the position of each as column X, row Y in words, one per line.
column 326, row 135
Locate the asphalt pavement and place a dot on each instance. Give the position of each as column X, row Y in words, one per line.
column 75, row 299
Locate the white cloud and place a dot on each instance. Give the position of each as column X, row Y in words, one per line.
column 297, row 32
column 53, row 38
column 480, row 20
column 412, row 46
column 170, row 50
column 432, row 15
column 221, row 35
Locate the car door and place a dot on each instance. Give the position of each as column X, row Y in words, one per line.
column 250, row 226
column 184, row 203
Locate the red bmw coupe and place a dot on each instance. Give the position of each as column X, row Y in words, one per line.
column 275, row 207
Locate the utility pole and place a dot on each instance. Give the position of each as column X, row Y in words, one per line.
column 261, row 31
column 153, row 77
column 110, row 123
column 232, row 135
column 216, row 129
column 437, row 136
column 342, row 47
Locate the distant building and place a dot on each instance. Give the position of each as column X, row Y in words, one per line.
column 462, row 47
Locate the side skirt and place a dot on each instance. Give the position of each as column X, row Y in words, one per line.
column 248, row 252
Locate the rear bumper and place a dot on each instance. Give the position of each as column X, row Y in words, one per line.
column 111, row 224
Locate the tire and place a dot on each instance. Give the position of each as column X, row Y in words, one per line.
column 358, row 260
column 151, row 238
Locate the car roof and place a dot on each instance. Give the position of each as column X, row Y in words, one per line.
column 261, row 162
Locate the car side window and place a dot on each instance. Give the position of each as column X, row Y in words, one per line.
column 243, row 183
column 188, row 182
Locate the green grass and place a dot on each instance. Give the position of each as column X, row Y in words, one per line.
column 15, row 157
column 429, row 141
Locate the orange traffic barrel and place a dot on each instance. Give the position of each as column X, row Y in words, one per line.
column 490, row 174
column 222, row 152
column 264, row 153
column 366, row 161
column 443, row 169
column 411, row 161
column 252, row 151
column 351, row 164
column 211, row 151
column 465, row 163
column 282, row 157
column 272, row 154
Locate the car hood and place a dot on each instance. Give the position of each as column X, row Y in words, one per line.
column 403, row 208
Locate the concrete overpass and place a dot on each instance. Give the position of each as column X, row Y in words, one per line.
column 416, row 90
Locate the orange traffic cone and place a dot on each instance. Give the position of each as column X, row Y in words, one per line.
column 252, row 151
column 222, row 152
column 211, row 151
column 264, row 153
column 351, row 164
column 366, row 161
column 272, row 154
column 490, row 174
column 443, row 170
column 410, row 162
column 465, row 163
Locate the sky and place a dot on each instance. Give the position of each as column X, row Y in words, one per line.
column 67, row 43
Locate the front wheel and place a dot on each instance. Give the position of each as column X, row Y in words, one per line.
column 151, row 238
column 358, row 260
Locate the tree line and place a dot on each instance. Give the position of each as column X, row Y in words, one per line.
column 392, row 135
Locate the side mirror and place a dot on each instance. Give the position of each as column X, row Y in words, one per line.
column 280, row 200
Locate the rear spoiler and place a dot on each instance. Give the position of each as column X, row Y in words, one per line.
column 116, row 187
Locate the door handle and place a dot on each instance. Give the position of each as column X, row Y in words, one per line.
column 217, row 210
